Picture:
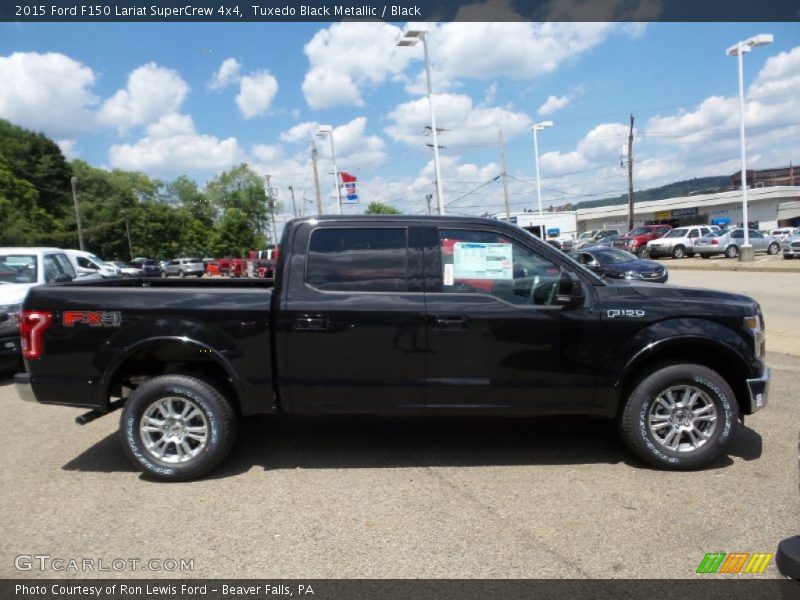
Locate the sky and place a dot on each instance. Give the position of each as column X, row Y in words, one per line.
column 196, row 99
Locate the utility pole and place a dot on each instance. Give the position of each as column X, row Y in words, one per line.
column 316, row 176
column 428, row 198
column 294, row 205
column 630, row 177
column 128, row 231
column 271, row 205
column 505, row 176
column 74, row 182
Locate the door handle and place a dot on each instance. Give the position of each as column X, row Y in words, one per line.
column 450, row 323
column 311, row 323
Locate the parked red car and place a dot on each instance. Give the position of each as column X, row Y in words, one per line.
column 635, row 241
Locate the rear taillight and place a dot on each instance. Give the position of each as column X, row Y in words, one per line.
column 32, row 325
column 715, row 242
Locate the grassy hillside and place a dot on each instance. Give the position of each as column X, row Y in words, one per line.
column 671, row 190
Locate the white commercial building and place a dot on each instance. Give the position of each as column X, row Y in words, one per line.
column 767, row 207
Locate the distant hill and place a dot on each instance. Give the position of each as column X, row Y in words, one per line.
column 671, row 190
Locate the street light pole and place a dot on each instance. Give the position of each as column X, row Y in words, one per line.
column 74, row 182
column 328, row 130
column 738, row 50
column 535, row 128
column 411, row 35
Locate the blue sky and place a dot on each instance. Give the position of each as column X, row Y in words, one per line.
column 171, row 99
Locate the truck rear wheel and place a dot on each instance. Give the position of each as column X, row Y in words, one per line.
column 679, row 416
column 177, row 427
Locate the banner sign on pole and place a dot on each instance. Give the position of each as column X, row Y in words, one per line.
column 351, row 193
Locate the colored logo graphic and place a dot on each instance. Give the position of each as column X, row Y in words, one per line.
column 734, row 563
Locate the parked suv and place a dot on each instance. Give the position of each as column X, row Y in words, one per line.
column 678, row 242
column 90, row 265
column 20, row 270
column 588, row 238
column 183, row 267
column 636, row 239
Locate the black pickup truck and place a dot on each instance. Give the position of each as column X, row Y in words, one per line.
column 397, row 316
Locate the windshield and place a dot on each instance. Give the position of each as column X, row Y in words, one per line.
column 677, row 233
column 586, row 235
column 640, row 231
column 18, row 268
column 612, row 256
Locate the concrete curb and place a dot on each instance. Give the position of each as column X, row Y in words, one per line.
column 763, row 266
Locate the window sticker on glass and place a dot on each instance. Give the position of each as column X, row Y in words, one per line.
column 482, row 261
column 448, row 274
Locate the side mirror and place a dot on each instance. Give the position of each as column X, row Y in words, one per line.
column 570, row 290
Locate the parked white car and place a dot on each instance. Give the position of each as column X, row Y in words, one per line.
column 782, row 232
column 20, row 270
column 87, row 264
column 679, row 242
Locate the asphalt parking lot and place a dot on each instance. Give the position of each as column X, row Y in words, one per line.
column 399, row 498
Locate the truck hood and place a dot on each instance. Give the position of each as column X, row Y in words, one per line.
column 680, row 300
column 14, row 293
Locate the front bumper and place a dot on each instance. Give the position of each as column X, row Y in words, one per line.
column 758, row 390
column 22, row 381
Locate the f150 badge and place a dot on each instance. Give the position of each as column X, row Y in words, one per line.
column 98, row 318
column 615, row 313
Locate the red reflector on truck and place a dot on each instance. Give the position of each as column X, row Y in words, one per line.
column 32, row 325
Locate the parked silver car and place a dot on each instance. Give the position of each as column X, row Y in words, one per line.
column 728, row 243
column 183, row 267
column 587, row 238
column 791, row 246
column 678, row 242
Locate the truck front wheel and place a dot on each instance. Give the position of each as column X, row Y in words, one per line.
column 679, row 416
column 177, row 427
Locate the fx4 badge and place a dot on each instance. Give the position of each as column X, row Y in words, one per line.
column 100, row 318
column 630, row 313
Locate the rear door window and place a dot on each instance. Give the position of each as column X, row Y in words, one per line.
column 358, row 259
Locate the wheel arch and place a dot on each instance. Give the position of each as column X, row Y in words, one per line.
column 699, row 350
column 171, row 354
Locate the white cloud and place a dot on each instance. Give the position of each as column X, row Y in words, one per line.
column 256, row 93
column 227, row 74
column 556, row 103
column 347, row 57
column 465, row 122
column 354, row 147
column 68, row 148
column 553, row 104
column 152, row 92
column 302, row 132
column 47, row 92
column 172, row 146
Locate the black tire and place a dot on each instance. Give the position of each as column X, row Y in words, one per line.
column 704, row 256
column 732, row 251
column 641, row 404
column 773, row 249
column 642, row 252
column 219, row 419
column 199, row 274
column 788, row 257
column 678, row 251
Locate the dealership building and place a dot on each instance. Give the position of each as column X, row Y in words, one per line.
column 767, row 207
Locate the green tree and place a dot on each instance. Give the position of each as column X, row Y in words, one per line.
column 379, row 208
column 243, row 189
column 234, row 235
column 185, row 193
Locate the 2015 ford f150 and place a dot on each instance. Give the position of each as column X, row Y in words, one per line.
column 397, row 316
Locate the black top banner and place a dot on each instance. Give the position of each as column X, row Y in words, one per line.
column 245, row 11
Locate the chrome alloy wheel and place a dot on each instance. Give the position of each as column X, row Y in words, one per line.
column 682, row 418
column 174, row 430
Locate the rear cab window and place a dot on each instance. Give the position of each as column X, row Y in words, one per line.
column 342, row 259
